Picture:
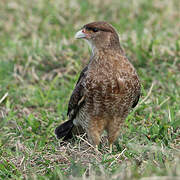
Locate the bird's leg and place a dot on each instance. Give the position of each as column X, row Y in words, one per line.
column 113, row 132
column 110, row 148
column 96, row 146
column 95, row 129
column 111, row 140
column 94, row 138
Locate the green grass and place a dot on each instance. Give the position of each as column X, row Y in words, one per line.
column 39, row 64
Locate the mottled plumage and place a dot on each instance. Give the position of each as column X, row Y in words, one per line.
column 107, row 89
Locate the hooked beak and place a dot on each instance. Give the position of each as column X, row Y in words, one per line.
column 80, row 34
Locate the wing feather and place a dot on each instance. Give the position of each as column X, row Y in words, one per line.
column 77, row 98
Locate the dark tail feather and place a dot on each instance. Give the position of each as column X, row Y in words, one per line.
column 64, row 130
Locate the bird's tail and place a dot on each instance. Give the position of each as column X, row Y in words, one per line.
column 64, row 130
column 67, row 130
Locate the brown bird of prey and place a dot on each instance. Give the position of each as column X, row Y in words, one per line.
column 107, row 89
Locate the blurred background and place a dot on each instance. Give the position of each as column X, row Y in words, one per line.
column 40, row 61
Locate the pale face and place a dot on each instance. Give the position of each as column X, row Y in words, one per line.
column 87, row 36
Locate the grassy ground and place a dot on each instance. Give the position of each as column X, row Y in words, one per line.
column 39, row 65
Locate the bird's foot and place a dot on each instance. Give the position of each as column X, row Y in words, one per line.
column 110, row 148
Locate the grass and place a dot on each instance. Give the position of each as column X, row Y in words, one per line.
column 39, row 64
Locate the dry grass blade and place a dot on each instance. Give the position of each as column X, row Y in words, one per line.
column 146, row 97
column 4, row 97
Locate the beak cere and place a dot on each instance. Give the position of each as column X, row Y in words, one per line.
column 80, row 34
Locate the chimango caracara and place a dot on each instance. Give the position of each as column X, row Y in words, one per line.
column 107, row 89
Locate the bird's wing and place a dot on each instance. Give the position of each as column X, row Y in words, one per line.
column 77, row 98
column 67, row 129
column 136, row 101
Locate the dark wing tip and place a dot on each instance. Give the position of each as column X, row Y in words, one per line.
column 136, row 101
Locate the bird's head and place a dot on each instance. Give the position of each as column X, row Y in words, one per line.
column 99, row 35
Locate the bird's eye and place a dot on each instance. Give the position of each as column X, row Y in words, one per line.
column 95, row 30
column 92, row 29
column 88, row 28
